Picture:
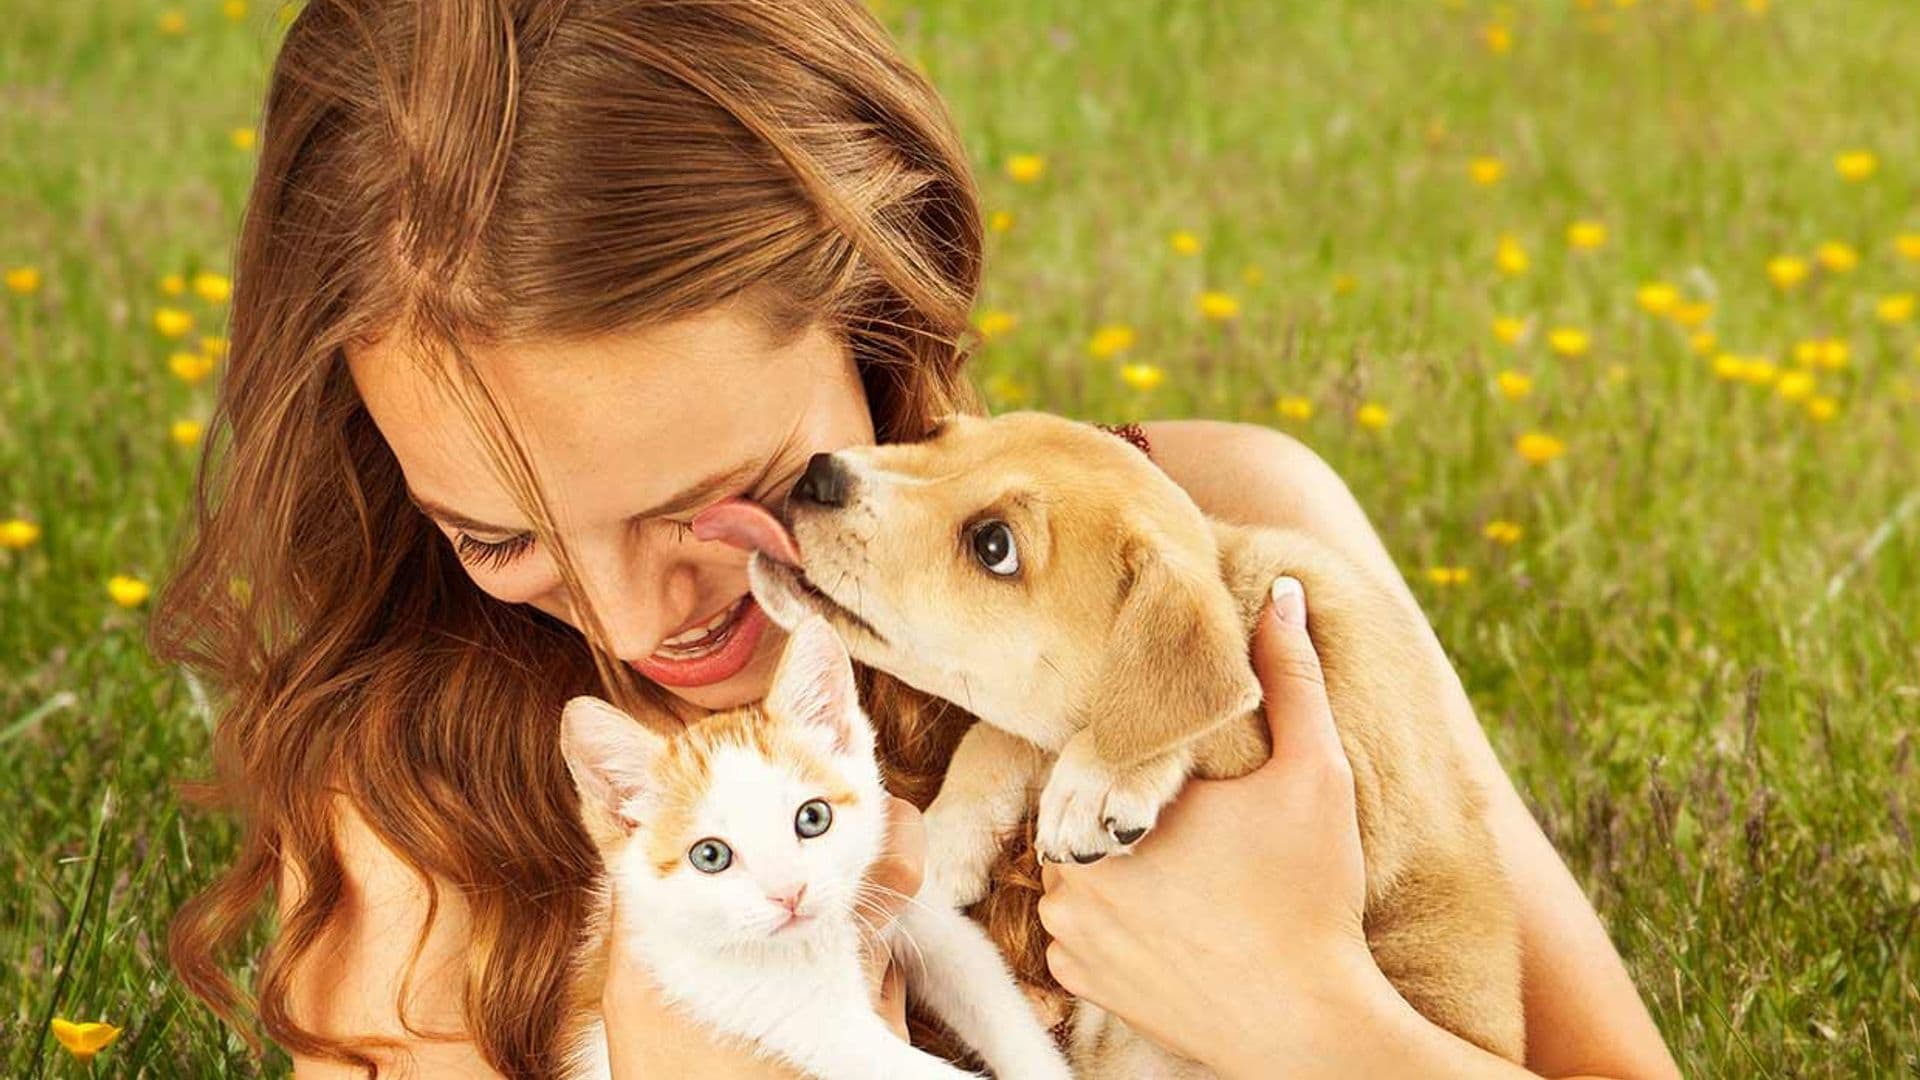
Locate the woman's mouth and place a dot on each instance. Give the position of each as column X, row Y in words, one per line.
column 714, row 651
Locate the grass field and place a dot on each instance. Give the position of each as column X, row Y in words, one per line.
column 1604, row 310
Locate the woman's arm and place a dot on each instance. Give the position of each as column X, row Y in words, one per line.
column 1583, row 1014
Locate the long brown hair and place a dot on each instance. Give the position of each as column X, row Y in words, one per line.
column 466, row 171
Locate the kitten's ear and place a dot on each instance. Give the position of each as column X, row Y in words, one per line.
column 813, row 684
column 610, row 755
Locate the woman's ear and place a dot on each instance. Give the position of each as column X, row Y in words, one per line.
column 610, row 755
column 813, row 686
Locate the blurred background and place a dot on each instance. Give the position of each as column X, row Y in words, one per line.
column 1605, row 310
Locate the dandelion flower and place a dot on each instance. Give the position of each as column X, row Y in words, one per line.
column 1183, row 242
column 1142, row 376
column 1795, row 386
column 1110, row 341
column 1026, row 168
column 190, row 367
column 1503, row 532
column 172, row 322
column 1000, row 220
column 213, row 288
column 1514, row 385
column 1510, row 256
column 84, row 1040
column 1219, row 306
column 1837, row 257
column 1908, row 245
column 992, row 323
column 1538, row 448
column 173, row 21
column 243, row 138
column 173, row 284
column 1829, row 353
column 214, row 347
column 1786, row 271
column 128, row 592
column 1729, row 366
column 234, row 9
column 1759, row 371
column 1822, row 408
column 18, row 533
column 1252, row 274
column 186, row 432
column 1657, row 298
column 1372, row 416
column 22, row 280
column 1497, row 38
column 1856, row 165
column 1692, row 313
column 1896, row 308
column 1447, row 575
column 1703, row 343
column 1508, row 330
column 1294, row 408
column 1486, row 171
column 1569, row 342
column 1586, row 235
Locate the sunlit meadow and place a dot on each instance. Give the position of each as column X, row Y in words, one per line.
column 1605, row 310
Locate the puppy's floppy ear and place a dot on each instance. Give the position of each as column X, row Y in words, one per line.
column 1176, row 663
column 813, row 687
column 610, row 755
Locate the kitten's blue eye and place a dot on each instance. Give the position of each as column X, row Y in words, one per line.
column 814, row 817
column 710, row 856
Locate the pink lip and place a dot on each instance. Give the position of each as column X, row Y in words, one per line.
column 734, row 656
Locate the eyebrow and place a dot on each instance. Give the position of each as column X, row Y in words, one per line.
column 700, row 492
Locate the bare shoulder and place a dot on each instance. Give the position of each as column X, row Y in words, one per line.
column 350, row 985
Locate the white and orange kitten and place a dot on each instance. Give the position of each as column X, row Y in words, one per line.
column 737, row 854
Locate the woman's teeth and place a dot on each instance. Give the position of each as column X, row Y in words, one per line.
column 696, row 637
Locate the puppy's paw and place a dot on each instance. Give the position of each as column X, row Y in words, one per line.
column 1089, row 810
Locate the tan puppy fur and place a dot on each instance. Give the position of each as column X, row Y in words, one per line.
column 1115, row 644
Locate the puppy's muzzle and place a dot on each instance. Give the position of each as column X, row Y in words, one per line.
column 826, row 482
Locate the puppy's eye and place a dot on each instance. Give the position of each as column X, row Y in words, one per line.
column 993, row 546
column 813, row 818
column 710, row 856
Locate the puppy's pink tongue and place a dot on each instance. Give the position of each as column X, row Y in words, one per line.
column 747, row 525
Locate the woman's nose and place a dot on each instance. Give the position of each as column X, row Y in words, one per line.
column 643, row 597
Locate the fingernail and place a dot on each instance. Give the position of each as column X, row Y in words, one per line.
column 1289, row 601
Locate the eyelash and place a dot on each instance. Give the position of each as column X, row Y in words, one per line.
column 494, row 555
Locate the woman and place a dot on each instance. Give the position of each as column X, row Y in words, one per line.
column 522, row 287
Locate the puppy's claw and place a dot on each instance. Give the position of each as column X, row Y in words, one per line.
column 1126, row 836
column 1091, row 858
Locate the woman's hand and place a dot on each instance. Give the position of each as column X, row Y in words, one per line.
column 1240, row 913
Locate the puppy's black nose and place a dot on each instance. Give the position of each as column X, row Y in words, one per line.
column 825, row 482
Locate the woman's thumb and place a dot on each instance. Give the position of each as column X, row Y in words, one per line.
column 1298, row 712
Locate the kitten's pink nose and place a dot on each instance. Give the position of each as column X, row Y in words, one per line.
column 789, row 897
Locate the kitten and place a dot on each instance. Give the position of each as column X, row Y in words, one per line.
column 738, row 852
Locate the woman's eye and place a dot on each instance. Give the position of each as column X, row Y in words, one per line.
column 495, row 554
column 710, row 856
column 813, row 818
column 993, row 546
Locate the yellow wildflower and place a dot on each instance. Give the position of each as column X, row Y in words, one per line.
column 1110, row 341
column 1372, row 416
column 1569, row 342
column 1856, row 165
column 1692, row 313
column 1539, row 448
column 1142, row 376
column 22, row 280
column 242, row 138
column 1657, row 297
column 84, row 1040
column 1508, row 330
column 1759, row 371
column 1486, row 171
column 186, row 432
column 1000, row 220
column 1703, row 343
column 1786, row 271
column 1006, row 389
column 1895, row 308
column 1294, row 408
column 1219, row 306
column 127, row 592
column 234, row 9
column 1026, row 168
column 1252, row 274
column 1514, row 385
column 1183, row 242
column 172, row 322
column 1729, row 366
column 1829, row 353
column 993, row 322
column 1447, row 575
column 1822, row 408
column 190, row 367
column 173, row 284
column 213, row 347
column 1837, row 257
column 1586, row 235
column 1497, row 38
column 211, row 287
column 1795, row 386
column 1908, row 245
column 173, row 21
column 1510, row 256
column 18, row 533
column 1503, row 532
column 1344, row 284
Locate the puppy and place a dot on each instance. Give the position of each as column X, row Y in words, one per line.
column 1049, row 578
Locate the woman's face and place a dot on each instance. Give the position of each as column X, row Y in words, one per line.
column 631, row 435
